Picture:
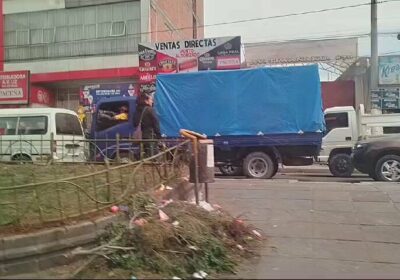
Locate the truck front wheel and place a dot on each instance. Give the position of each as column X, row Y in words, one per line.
column 340, row 165
column 259, row 165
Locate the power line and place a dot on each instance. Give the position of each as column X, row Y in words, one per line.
column 274, row 17
column 326, row 37
column 300, row 13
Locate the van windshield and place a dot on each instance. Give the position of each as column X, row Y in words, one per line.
column 67, row 124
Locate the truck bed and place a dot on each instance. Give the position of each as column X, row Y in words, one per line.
column 269, row 101
column 306, row 139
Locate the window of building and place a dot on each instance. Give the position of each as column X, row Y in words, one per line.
column 61, row 34
column 36, row 36
column 89, row 31
column 23, row 37
column 103, row 29
column 118, row 28
column 10, row 38
column 48, row 35
column 336, row 120
column 93, row 30
column 75, row 32
column 67, row 98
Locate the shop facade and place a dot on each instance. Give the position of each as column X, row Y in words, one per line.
column 68, row 46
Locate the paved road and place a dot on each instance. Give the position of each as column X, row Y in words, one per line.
column 316, row 227
column 315, row 173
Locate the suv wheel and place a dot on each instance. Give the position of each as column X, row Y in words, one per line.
column 373, row 175
column 388, row 168
column 340, row 165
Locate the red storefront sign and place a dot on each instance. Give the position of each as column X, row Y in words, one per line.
column 14, row 87
column 42, row 97
column 229, row 62
column 147, row 77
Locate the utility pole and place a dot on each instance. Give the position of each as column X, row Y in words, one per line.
column 194, row 17
column 374, row 68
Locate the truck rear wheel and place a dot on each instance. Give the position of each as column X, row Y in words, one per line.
column 230, row 170
column 340, row 165
column 259, row 165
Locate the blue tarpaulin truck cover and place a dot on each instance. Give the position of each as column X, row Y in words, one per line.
column 241, row 102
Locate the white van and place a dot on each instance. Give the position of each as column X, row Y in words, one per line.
column 39, row 134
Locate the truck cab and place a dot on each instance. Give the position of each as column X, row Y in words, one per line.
column 104, row 131
column 344, row 127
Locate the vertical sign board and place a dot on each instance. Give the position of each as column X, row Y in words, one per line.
column 14, row 88
column 388, row 99
column 223, row 53
column 389, row 70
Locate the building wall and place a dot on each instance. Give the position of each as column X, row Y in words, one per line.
column 22, row 6
column 338, row 93
column 175, row 19
column 75, row 64
column 77, row 32
column 200, row 18
column 50, row 38
column 358, row 72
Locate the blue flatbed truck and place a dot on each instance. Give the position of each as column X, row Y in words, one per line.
column 258, row 118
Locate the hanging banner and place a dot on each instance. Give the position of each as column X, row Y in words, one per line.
column 389, row 70
column 91, row 94
column 14, row 87
column 223, row 53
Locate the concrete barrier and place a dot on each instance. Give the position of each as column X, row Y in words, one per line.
column 29, row 254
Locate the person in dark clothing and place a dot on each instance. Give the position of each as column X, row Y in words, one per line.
column 146, row 117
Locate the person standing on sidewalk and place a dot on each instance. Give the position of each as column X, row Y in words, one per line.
column 147, row 119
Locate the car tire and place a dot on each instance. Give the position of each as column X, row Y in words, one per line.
column 387, row 168
column 22, row 158
column 340, row 165
column 259, row 165
column 230, row 170
column 373, row 175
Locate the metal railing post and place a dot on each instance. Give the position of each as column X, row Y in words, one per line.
column 117, row 139
column 52, row 146
column 196, row 170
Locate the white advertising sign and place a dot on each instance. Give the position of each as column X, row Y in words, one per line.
column 389, row 70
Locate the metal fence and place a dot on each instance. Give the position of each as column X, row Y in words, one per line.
column 34, row 194
column 66, row 149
